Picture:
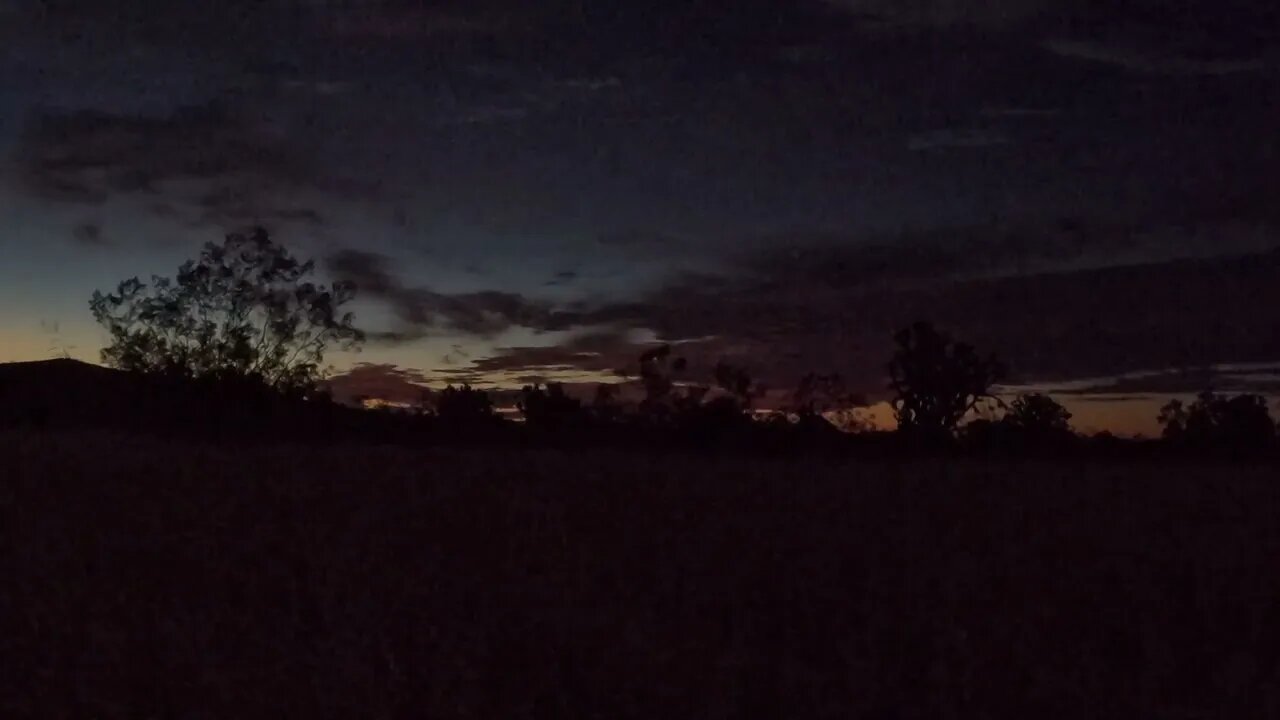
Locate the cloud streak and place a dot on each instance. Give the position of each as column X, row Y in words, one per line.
column 482, row 313
column 830, row 312
column 204, row 163
column 1150, row 63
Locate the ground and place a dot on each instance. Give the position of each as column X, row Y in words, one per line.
column 152, row 580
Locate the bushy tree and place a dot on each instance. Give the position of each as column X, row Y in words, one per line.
column 550, row 408
column 1038, row 414
column 658, row 370
column 738, row 385
column 1032, row 422
column 1213, row 420
column 824, row 402
column 936, row 381
column 605, row 408
column 465, row 406
column 243, row 311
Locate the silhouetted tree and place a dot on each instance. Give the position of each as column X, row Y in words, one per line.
column 1038, row 414
column 1213, row 420
column 658, row 373
column 739, row 385
column 605, row 408
column 1032, row 422
column 244, row 311
column 823, row 402
column 465, row 407
column 936, row 381
column 550, row 408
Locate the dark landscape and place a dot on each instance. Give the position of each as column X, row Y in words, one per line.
column 707, row 359
column 148, row 579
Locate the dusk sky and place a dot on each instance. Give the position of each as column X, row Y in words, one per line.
column 541, row 189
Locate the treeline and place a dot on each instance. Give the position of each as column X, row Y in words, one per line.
column 943, row 401
column 234, row 345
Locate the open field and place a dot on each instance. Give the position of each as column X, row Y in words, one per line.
column 141, row 580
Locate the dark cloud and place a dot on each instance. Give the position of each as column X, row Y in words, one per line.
column 1152, row 62
column 387, row 382
column 636, row 238
column 237, row 205
column 244, row 171
column 482, row 313
column 943, row 13
column 132, row 153
column 825, row 313
column 600, row 353
column 89, row 234
column 1262, row 378
column 957, row 138
column 1066, row 300
column 564, row 277
column 419, row 21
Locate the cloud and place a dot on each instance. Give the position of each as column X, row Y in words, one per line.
column 483, row 313
column 835, row 309
column 564, row 277
column 1055, row 300
column 1014, row 111
column 637, row 238
column 952, row 138
column 229, row 204
column 89, row 234
column 135, row 153
column 1149, row 63
column 409, row 21
column 1261, row 378
column 239, row 172
column 607, row 352
column 387, row 382
column 943, row 13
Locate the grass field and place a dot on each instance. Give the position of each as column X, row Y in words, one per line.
column 141, row 580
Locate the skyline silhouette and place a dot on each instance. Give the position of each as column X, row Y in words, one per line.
column 543, row 190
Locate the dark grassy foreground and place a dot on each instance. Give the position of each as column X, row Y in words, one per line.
column 143, row 581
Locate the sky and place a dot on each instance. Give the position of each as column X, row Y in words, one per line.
column 540, row 190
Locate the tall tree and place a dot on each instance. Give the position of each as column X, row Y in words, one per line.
column 1037, row 413
column 551, row 408
column 1213, row 420
column 936, row 381
column 243, row 310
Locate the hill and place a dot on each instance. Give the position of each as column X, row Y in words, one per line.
column 73, row 395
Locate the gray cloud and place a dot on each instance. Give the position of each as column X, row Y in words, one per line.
column 482, row 313
column 944, row 13
column 564, row 277
column 953, row 138
column 128, row 153
column 1263, row 378
column 1148, row 62
column 89, row 234
column 1057, row 301
column 388, row 382
column 230, row 204
column 239, row 173
column 835, row 309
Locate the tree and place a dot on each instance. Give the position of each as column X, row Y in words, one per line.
column 244, row 311
column 1037, row 414
column 605, row 408
column 738, row 384
column 823, row 402
column 936, row 381
column 1213, row 420
column 550, row 408
column 1032, row 422
column 465, row 406
column 658, row 372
